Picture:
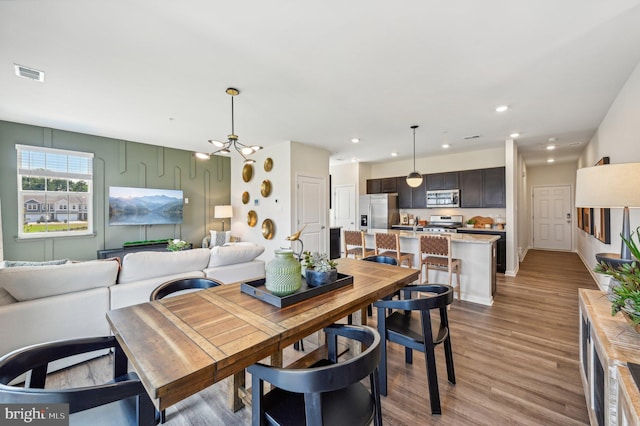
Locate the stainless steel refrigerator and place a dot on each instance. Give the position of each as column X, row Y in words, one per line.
column 378, row 211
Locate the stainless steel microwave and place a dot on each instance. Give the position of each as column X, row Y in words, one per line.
column 443, row 198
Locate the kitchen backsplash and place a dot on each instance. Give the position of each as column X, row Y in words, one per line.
column 424, row 214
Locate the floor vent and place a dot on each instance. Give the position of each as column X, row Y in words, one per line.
column 30, row 73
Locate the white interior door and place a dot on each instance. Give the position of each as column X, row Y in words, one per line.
column 552, row 217
column 312, row 211
column 344, row 207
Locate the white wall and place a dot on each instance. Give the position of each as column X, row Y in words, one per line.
column 290, row 159
column 617, row 137
column 480, row 159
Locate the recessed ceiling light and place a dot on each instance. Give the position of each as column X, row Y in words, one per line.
column 514, row 135
column 355, row 140
column 446, row 145
column 394, row 154
column 551, row 147
column 550, row 160
column 353, row 160
column 30, row 73
column 502, row 108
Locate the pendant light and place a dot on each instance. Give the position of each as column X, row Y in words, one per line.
column 414, row 179
column 232, row 139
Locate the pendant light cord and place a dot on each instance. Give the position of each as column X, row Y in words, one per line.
column 414, row 148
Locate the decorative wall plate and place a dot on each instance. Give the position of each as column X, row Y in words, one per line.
column 268, row 229
column 247, row 172
column 245, row 197
column 252, row 218
column 268, row 164
column 265, row 188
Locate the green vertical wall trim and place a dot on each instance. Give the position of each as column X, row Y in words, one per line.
column 207, row 210
column 142, row 174
column 177, row 178
column 122, row 156
column 100, row 201
column 160, row 160
column 192, row 167
column 47, row 138
column 220, row 168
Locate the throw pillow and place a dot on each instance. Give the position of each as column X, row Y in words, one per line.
column 21, row 263
column 219, row 238
column 236, row 253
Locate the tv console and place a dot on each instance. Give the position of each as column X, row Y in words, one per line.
column 158, row 245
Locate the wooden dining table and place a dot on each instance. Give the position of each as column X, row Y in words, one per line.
column 184, row 344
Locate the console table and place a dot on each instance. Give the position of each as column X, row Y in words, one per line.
column 122, row 251
column 607, row 344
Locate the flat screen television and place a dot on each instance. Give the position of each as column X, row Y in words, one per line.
column 145, row 206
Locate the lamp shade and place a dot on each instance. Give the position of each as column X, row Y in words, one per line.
column 221, row 212
column 414, row 179
column 608, row 186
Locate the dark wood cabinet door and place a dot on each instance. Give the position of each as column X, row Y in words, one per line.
column 435, row 181
column 405, row 200
column 374, row 186
column 419, row 195
column 471, row 188
column 494, row 193
column 388, row 185
column 450, row 180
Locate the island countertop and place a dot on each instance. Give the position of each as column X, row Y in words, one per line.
column 455, row 238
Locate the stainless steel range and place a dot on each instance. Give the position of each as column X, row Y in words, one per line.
column 443, row 223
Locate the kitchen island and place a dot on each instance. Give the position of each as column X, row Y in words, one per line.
column 476, row 252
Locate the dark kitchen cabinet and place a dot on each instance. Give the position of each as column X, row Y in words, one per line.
column 374, row 186
column 437, row 181
column 334, row 242
column 471, row 188
column 493, row 187
column 381, row 186
column 411, row 198
column 483, row 188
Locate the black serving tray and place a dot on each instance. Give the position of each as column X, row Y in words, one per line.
column 257, row 289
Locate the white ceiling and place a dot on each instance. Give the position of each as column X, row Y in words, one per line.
column 322, row 72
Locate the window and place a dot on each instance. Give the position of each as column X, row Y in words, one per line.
column 50, row 180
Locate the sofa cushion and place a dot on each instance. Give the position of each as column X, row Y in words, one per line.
column 35, row 282
column 219, row 238
column 144, row 265
column 234, row 253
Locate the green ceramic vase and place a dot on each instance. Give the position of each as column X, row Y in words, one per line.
column 283, row 274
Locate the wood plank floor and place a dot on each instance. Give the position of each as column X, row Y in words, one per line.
column 516, row 362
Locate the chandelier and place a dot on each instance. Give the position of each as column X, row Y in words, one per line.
column 232, row 140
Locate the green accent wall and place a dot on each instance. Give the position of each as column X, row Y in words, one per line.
column 116, row 163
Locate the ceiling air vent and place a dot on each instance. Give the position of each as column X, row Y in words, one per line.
column 466, row 138
column 30, row 73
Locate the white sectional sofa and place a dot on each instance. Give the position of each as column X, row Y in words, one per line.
column 52, row 302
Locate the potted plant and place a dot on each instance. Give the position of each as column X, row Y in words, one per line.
column 318, row 268
column 624, row 291
column 176, row 245
column 470, row 223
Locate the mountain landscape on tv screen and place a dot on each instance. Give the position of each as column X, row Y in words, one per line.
column 145, row 210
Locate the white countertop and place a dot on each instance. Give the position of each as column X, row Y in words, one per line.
column 455, row 238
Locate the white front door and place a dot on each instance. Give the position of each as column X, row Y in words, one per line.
column 552, row 217
column 312, row 211
column 344, row 207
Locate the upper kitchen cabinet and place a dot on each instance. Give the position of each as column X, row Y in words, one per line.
column 493, row 187
column 483, row 188
column 381, row 186
column 436, row 181
column 411, row 198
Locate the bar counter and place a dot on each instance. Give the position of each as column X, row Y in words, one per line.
column 477, row 253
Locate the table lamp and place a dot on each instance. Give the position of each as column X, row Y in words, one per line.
column 222, row 212
column 611, row 186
